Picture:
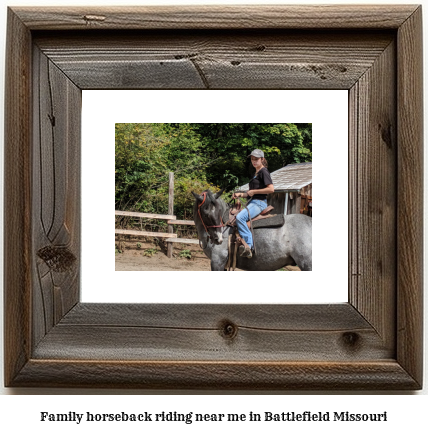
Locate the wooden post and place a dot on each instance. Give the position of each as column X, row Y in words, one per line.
column 170, row 210
column 286, row 203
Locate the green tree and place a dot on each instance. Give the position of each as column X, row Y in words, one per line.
column 145, row 154
column 230, row 145
column 200, row 155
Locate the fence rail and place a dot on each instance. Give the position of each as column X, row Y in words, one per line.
column 169, row 237
column 146, row 215
column 182, row 240
column 181, row 222
column 144, row 233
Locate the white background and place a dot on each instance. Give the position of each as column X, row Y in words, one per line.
column 327, row 110
column 407, row 413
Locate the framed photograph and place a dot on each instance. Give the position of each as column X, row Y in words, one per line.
column 108, row 112
column 371, row 341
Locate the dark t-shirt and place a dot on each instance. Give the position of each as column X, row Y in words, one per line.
column 259, row 181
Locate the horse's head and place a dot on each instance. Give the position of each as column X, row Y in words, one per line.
column 209, row 210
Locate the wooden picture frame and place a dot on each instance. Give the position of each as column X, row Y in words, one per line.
column 372, row 342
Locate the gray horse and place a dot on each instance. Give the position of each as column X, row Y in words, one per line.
column 290, row 244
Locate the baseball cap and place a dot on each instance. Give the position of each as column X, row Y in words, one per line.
column 258, row 153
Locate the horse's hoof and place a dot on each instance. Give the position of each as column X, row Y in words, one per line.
column 245, row 252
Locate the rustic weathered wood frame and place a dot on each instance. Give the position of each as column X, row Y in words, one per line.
column 372, row 342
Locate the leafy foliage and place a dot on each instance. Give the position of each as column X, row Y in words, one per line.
column 200, row 155
column 150, row 252
column 185, row 253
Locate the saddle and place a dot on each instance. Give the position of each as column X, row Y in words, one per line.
column 263, row 220
column 275, row 220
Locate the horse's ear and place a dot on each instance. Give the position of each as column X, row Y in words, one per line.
column 198, row 197
column 219, row 193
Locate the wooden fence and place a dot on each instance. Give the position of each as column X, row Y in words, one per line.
column 169, row 236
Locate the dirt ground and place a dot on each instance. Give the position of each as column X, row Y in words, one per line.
column 145, row 256
column 137, row 255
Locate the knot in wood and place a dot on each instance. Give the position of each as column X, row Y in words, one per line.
column 386, row 134
column 351, row 340
column 58, row 259
column 93, row 18
column 186, row 56
column 258, row 48
column 228, row 330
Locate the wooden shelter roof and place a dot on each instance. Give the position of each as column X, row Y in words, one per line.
column 292, row 177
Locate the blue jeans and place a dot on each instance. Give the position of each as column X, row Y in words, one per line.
column 255, row 207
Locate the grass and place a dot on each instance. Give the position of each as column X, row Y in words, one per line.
column 150, row 252
column 185, row 254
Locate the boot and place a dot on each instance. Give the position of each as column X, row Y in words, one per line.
column 245, row 252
